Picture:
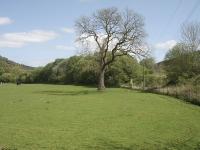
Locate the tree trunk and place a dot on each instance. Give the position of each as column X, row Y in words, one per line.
column 101, row 85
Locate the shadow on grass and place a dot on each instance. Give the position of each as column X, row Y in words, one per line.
column 105, row 144
column 102, row 144
column 69, row 93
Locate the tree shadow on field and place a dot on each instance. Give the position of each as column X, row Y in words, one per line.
column 67, row 93
column 183, row 145
column 105, row 144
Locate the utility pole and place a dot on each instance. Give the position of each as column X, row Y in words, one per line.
column 143, row 73
column 143, row 77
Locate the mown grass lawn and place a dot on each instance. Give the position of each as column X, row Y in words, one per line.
column 58, row 117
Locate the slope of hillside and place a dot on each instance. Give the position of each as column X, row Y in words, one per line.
column 10, row 63
column 10, row 70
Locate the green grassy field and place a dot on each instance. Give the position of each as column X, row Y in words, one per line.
column 59, row 117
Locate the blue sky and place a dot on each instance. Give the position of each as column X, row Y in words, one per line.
column 35, row 32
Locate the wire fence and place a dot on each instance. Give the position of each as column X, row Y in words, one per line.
column 185, row 92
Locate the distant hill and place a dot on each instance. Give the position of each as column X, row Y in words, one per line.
column 10, row 70
column 5, row 62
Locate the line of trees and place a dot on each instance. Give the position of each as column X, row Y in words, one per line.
column 84, row 70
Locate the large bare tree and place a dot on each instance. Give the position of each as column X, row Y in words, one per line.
column 190, row 33
column 114, row 33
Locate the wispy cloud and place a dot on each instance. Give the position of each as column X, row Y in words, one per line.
column 67, row 30
column 83, row 1
column 5, row 20
column 165, row 45
column 20, row 39
column 64, row 47
column 160, row 49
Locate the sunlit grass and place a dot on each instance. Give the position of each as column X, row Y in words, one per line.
column 34, row 117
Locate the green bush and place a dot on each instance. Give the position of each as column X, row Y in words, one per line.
column 7, row 77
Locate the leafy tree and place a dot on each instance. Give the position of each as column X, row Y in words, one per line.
column 149, row 64
column 122, row 71
column 1, row 70
column 178, row 50
column 182, row 64
column 7, row 77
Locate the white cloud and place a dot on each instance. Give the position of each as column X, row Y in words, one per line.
column 5, row 20
column 19, row 39
column 67, row 30
column 160, row 49
column 165, row 45
column 64, row 47
column 90, row 45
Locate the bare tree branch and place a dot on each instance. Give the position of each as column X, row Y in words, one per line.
column 115, row 33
